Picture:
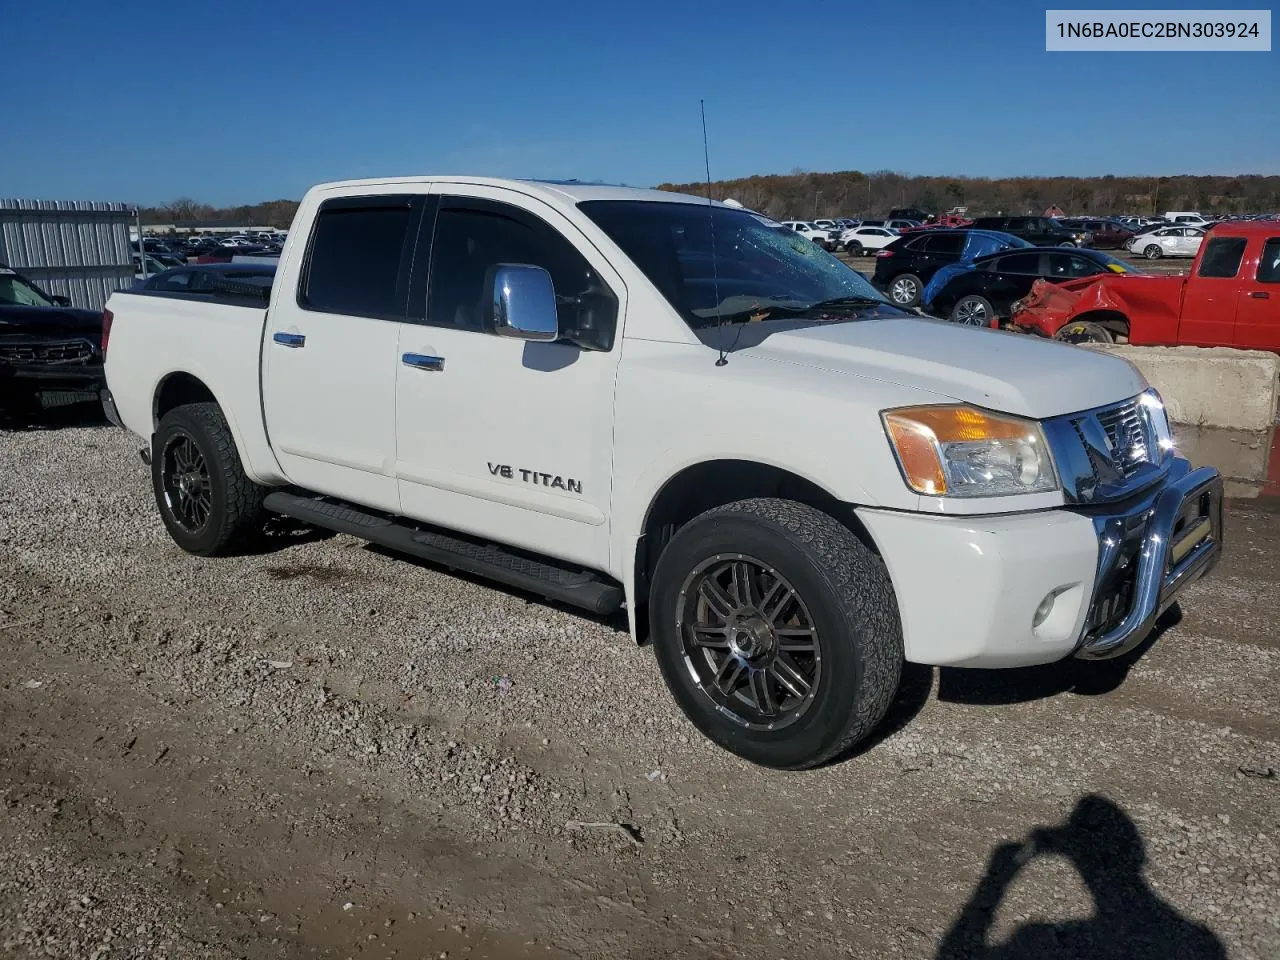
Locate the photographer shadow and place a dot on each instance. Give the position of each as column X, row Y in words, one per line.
column 1129, row 921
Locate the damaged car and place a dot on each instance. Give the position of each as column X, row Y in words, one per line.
column 982, row 293
column 47, row 347
column 1230, row 298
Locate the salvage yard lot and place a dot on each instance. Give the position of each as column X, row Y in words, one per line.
column 1165, row 265
column 323, row 750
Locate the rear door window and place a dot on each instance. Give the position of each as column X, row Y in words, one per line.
column 1222, row 256
column 944, row 243
column 357, row 261
column 1021, row 263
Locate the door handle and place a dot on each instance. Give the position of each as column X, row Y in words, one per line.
column 421, row 361
column 289, row 339
column 1259, row 294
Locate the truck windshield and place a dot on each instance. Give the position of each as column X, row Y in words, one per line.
column 15, row 290
column 718, row 264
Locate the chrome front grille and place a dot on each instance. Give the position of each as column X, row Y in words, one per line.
column 1108, row 453
column 47, row 351
column 1130, row 435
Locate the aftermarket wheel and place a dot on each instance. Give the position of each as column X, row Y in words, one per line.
column 905, row 290
column 207, row 503
column 777, row 631
column 973, row 311
column 1152, row 251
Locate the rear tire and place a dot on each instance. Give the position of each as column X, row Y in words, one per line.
column 208, row 504
column 1084, row 331
column 1152, row 251
column 973, row 311
column 905, row 290
column 798, row 697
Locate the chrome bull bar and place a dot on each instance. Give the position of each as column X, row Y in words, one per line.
column 1178, row 531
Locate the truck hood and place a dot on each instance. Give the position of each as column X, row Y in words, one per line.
column 1010, row 372
column 49, row 322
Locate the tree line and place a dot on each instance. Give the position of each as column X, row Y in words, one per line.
column 192, row 213
column 852, row 193
column 806, row 195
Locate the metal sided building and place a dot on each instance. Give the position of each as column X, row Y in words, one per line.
column 78, row 249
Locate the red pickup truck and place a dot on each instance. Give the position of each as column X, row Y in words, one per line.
column 1231, row 298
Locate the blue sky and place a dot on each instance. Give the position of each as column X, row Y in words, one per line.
column 236, row 102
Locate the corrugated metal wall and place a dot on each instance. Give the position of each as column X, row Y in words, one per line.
column 78, row 249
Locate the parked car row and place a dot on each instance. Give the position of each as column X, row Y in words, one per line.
column 1231, row 295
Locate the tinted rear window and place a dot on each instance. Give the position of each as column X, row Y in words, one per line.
column 1222, row 257
column 1018, row 263
column 945, row 243
column 354, row 262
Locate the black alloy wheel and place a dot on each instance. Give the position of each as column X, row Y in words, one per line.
column 749, row 641
column 185, row 480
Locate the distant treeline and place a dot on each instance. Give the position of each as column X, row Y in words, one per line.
column 187, row 212
column 805, row 195
column 852, row 193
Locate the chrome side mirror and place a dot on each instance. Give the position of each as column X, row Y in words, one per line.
column 523, row 302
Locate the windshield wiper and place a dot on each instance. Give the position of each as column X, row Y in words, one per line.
column 851, row 301
column 775, row 310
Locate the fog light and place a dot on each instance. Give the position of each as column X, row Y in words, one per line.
column 1045, row 608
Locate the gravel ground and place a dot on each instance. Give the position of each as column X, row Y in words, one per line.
column 323, row 750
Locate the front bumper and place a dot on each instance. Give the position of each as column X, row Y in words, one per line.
column 1148, row 554
column 968, row 588
column 37, row 378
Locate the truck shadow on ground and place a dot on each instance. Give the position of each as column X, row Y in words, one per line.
column 1082, row 677
column 79, row 414
column 1129, row 921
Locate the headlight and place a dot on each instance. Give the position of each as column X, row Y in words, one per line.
column 1158, row 417
column 958, row 451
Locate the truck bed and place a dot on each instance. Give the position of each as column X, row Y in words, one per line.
column 216, row 343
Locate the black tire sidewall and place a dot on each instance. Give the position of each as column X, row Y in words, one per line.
column 179, row 423
column 842, row 666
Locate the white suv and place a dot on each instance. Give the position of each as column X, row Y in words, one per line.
column 823, row 237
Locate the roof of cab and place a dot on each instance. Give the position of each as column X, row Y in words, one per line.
column 1237, row 228
column 572, row 191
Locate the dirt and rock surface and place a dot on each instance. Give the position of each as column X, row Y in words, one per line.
column 325, row 751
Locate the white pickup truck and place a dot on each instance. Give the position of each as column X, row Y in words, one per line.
column 622, row 398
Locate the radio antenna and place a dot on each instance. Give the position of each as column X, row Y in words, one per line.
column 711, row 224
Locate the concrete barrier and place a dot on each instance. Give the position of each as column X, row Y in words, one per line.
column 1210, row 386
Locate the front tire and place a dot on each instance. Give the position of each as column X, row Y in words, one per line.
column 905, row 290
column 1084, row 331
column 1152, row 251
column 207, row 502
column 973, row 311
column 854, row 248
column 777, row 632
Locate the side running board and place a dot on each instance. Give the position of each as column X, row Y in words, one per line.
column 455, row 551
